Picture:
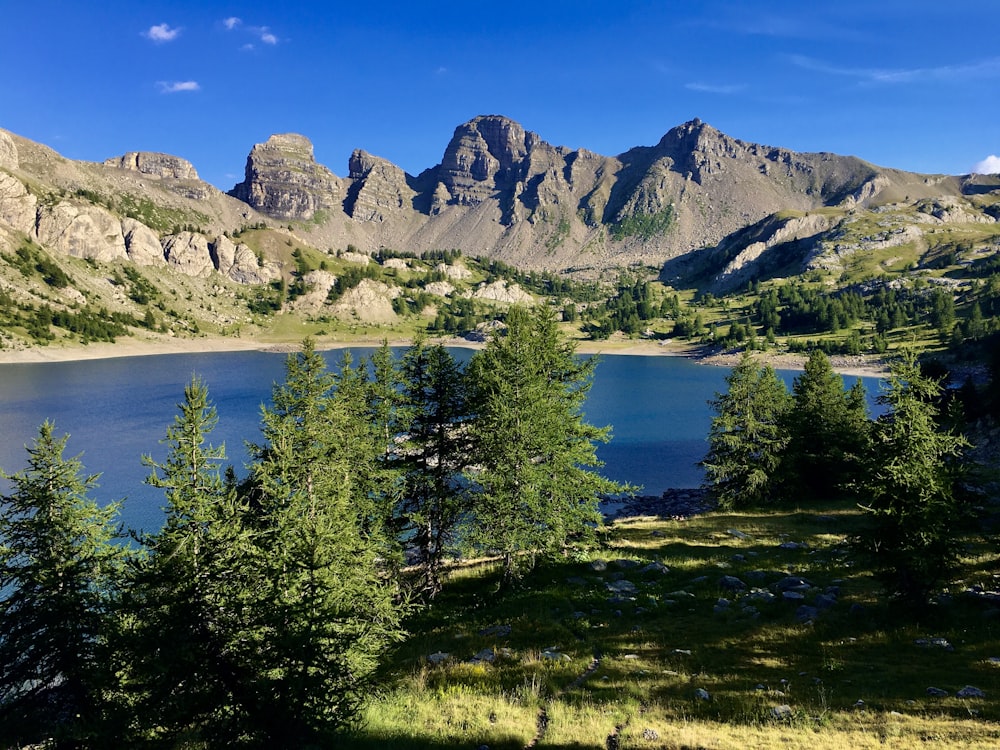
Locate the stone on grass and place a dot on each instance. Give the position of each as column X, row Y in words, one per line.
column 702, row 694
column 438, row 657
column 650, row 735
column 793, row 595
column 487, row 655
column 782, row 712
column 737, row 533
column 936, row 692
column 497, row 631
column 732, row 583
column 792, row 583
column 622, row 587
column 805, row 613
column 598, row 566
column 970, row 692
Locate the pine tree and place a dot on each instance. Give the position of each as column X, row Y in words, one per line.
column 434, row 455
column 324, row 608
column 188, row 672
column 58, row 567
column 826, row 429
column 747, row 439
column 910, row 482
column 534, row 453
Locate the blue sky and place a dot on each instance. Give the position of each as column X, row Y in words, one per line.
column 907, row 84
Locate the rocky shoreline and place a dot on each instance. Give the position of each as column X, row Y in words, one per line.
column 676, row 504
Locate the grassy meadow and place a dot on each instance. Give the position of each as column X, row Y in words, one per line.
column 663, row 663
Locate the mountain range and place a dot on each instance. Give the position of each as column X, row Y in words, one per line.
column 500, row 191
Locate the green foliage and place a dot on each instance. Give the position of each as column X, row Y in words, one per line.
column 323, row 608
column 30, row 259
column 643, row 226
column 747, row 438
column 911, row 487
column 534, row 454
column 827, row 429
column 58, row 568
column 433, row 457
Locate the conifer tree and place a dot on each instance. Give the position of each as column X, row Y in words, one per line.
column 826, row 429
column 325, row 609
column 910, row 486
column 747, row 439
column 58, row 568
column 187, row 665
column 434, row 455
column 533, row 451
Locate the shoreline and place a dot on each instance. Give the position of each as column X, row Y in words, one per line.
column 129, row 347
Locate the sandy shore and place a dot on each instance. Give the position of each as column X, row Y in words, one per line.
column 134, row 347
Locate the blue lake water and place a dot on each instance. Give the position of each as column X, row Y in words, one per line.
column 116, row 410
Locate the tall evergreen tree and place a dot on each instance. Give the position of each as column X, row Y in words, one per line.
column 187, row 664
column 325, row 609
column 910, row 483
column 826, row 429
column 435, row 499
column 58, row 567
column 747, row 439
column 534, row 453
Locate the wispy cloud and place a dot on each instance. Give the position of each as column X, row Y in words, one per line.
column 162, row 32
column 989, row 165
column 174, row 87
column 712, row 88
column 261, row 33
column 988, row 68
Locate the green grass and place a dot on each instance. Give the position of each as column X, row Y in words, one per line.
column 657, row 649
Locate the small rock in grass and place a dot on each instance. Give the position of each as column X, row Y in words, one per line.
column 438, row 657
column 737, row 533
column 970, row 692
column 702, row 694
column 782, row 712
column 598, row 566
column 497, row 631
column 793, row 595
column 487, row 656
column 650, row 735
column 936, row 692
column 732, row 583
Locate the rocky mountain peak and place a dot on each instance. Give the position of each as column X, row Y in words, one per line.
column 485, row 156
column 282, row 179
column 155, row 165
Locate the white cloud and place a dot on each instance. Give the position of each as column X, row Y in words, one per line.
column 710, row 88
column 162, row 33
column 173, row 87
column 231, row 23
column 988, row 68
column 265, row 34
column 989, row 165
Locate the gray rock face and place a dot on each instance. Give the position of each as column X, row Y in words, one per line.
column 142, row 244
column 188, row 253
column 17, row 205
column 283, row 180
column 238, row 262
column 155, row 165
column 485, row 156
column 81, row 231
column 8, row 152
column 378, row 190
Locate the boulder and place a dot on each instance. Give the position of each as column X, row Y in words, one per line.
column 188, row 253
column 142, row 244
column 18, row 207
column 81, row 231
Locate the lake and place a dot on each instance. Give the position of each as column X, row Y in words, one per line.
column 116, row 410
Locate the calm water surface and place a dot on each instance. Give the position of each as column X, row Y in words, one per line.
column 116, row 410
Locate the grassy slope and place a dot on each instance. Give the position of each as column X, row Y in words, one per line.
column 646, row 679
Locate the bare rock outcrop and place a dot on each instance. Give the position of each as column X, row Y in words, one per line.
column 283, row 180
column 318, row 284
column 81, row 231
column 8, row 152
column 499, row 291
column 142, row 244
column 188, row 253
column 155, row 165
column 17, row 206
column 239, row 262
column 378, row 190
column 483, row 158
column 370, row 302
